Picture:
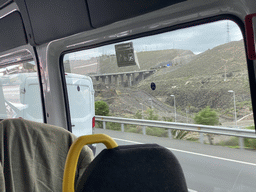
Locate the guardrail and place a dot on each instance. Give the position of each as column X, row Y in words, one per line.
column 241, row 133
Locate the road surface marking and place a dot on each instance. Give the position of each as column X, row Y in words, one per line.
column 193, row 153
column 191, row 190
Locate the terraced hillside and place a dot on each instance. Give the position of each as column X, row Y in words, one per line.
column 205, row 80
column 196, row 81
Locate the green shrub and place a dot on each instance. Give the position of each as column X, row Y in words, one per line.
column 101, row 108
column 138, row 115
column 133, row 129
column 251, row 127
column 150, row 114
column 207, row 116
column 168, row 119
column 154, row 131
column 113, row 126
column 250, row 143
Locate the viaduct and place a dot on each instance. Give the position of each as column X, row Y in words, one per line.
column 132, row 77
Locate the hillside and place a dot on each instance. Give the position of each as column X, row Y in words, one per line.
column 202, row 82
column 212, row 62
column 196, row 81
column 146, row 60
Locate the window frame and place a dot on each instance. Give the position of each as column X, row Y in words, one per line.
column 250, row 65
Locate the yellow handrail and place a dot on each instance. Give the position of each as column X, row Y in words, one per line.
column 73, row 154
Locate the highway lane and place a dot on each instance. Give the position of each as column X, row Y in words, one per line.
column 230, row 170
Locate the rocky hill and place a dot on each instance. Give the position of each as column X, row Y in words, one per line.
column 205, row 80
column 196, row 81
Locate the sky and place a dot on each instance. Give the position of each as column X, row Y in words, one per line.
column 197, row 39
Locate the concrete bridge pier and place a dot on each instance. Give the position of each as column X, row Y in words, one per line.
column 116, row 79
column 141, row 76
column 133, row 79
column 122, row 79
column 109, row 79
column 151, row 72
column 103, row 79
column 129, row 77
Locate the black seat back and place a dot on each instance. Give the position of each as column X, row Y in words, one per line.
column 147, row 167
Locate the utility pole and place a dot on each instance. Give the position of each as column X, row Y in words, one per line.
column 174, row 107
column 241, row 139
column 231, row 91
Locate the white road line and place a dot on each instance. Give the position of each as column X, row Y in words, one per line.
column 191, row 190
column 193, row 153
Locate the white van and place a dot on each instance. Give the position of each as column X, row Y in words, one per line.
column 27, row 104
column 81, row 103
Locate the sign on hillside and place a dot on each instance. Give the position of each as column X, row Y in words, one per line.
column 125, row 54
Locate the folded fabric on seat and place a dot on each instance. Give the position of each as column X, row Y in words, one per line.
column 33, row 156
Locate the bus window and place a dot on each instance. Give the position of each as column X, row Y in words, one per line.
column 20, row 93
column 174, row 76
column 195, row 75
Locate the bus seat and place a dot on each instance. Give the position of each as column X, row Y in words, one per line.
column 136, row 168
column 33, row 156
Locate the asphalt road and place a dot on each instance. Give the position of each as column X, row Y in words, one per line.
column 207, row 168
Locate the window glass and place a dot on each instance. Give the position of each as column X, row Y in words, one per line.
column 196, row 75
column 19, row 92
column 79, row 92
column 81, row 102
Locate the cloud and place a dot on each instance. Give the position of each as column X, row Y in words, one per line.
column 200, row 38
column 197, row 39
